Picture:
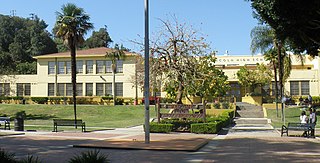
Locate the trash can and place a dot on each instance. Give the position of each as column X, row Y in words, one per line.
column 18, row 124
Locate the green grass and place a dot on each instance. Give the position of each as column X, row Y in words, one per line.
column 39, row 117
column 291, row 115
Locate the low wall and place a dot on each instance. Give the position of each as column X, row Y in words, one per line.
column 271, row 105
column 255, row 100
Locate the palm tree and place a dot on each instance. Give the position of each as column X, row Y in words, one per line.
column 116, row 54
column 265, row 39
column 71, row 25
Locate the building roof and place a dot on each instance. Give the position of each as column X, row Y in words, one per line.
column 94, row 52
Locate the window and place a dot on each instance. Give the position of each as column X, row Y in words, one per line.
column 51, row 89
column 4, row 89
column 60, row 89
column 69, row 89
column 99, row 90
column 119, row 66
column 89, row 89
column 79, row 89
column 79, row 67
column 27, row 89
column 299, row 88
column 108, row 89
column 68, row 67
column 23, row 89
column 119, row 89
column 51, row 68
column 61, row 69
column 19, row 89
column 294, row 88
column 100, row 67
column 109, row 66
column 305, row 88
column 89, row 67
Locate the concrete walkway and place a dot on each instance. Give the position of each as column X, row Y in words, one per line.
column 229, row 146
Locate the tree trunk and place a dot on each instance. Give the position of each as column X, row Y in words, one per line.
column 74, row 80
column 280, row 59
column 180, row 90
column 114, row 84
column 276, row 85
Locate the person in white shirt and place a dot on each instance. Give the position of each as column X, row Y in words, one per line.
column 304, row 120
column 303, row 117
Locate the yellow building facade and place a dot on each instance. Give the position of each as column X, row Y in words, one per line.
column 94, row 75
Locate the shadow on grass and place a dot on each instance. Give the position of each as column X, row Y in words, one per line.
column 39, row 116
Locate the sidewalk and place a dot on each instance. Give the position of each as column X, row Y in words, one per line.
column 229, row 146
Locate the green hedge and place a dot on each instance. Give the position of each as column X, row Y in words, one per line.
column 39, row 100
column 206, row 128
column 160, row 128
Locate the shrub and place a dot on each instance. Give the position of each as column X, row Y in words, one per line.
column 90, row 157
column 7, row 157
column 39, row 100
column 205, row 128
column 30, row 159
column 56, row 100
column 119, row 101
column 160, row 128
column 216, row 105
column 225, row 105
column 83, row 100
column 107, row 98
column 17, row 98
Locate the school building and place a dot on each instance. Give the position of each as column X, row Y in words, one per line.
column 94, row 75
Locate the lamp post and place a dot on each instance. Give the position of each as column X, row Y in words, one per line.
column 146, row 71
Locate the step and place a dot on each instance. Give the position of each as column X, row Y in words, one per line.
column 253, row 121
column 247, row 127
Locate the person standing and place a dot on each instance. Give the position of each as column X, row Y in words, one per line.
column 312, row 120
column 303, row 117
column 310, row 100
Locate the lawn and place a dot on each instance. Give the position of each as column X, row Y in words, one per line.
column 291, row 115
column 39, row 117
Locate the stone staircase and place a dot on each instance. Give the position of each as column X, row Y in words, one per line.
column 250, row 117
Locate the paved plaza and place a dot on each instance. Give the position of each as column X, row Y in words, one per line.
column 228, row 146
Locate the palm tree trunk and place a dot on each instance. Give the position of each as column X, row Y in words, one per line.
column 114, row 84
column 74, row 81
column 276, row 85
column 280, row 58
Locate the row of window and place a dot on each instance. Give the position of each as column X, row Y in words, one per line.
column 102, row 66
column 299, row 88
column 102, row 89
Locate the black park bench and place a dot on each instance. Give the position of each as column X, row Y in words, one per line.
column 68, row 122
column 6, row 122
column 306, row 127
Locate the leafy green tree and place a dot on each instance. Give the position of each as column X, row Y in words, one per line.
column 210, row 82
column 99, row 38
column 254, row 78
column 22, row 39
column 295, row 20
column 71, row 26
column 116, row 54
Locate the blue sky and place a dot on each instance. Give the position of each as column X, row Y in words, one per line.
column 227, row 23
